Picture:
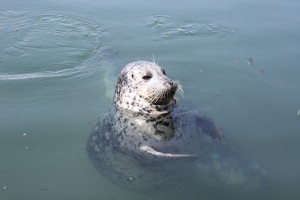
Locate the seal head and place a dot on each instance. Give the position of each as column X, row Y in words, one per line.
column 144, row 87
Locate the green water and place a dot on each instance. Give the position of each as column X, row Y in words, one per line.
column 59, row 61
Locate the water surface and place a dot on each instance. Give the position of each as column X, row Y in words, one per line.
column 237, row 61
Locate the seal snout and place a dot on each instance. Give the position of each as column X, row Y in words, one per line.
column 172, row 91
column 164, row 96
column 173, row 87
column 172, row 84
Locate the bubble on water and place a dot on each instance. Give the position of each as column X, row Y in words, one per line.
column 250, row 61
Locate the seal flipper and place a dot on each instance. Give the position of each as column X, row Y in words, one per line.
column 209, row 127
column 155, row 153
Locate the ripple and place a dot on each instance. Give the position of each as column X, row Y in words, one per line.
column 47, row 74
column 47, row 45
column 207, row 29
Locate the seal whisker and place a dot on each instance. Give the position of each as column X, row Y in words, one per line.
column 154, row 95
column 179, row 88
column 160, row 96
column 153, row 59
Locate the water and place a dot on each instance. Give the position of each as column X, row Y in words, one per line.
column 59, row 61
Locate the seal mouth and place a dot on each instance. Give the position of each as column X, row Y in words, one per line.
column 163, row 97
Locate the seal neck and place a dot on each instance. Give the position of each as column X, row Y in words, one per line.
column 148, row 108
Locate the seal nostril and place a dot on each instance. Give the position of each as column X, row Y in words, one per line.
column 173, row 84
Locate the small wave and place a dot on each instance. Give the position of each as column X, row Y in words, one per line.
column 207, row 29
column 46, row 74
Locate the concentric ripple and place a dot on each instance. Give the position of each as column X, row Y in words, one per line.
column 165, row 27
column 46, row 45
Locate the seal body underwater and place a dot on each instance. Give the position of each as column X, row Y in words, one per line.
column 149, row 142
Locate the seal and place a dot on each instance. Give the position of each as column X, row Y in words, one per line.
column 149, row 141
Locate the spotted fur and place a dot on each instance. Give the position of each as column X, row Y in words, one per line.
column 144, row 87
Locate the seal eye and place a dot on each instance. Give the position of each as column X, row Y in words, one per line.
column 164, row 72
column 147, row 77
